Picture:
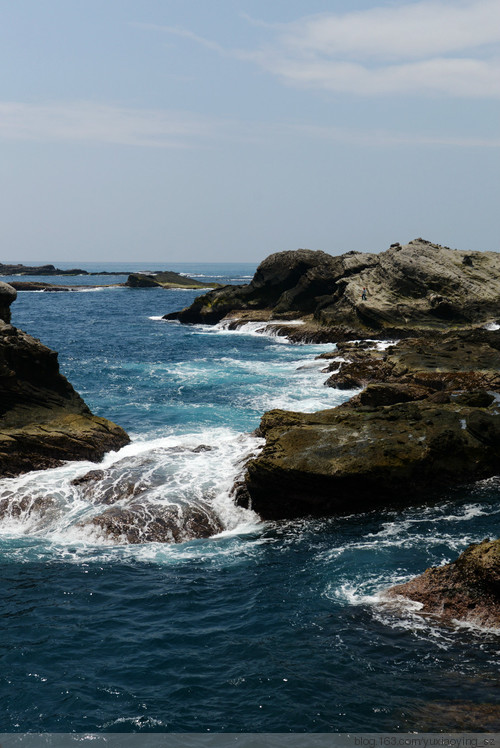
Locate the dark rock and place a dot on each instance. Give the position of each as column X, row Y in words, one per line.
column 38, row 270
column 476, row 399
column 468, row 589
column 357, row 459
column 387, row 394
column 154, row 523
column 37, row 286
column 167, row 279
column 8, row 294
column 43, row 420
column 25, row 506
column 439, row 363
column 91, row 477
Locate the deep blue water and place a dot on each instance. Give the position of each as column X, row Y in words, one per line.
column 264, row 627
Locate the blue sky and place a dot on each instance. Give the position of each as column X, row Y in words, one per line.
column 190, row 130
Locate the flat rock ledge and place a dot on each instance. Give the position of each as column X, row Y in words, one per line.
column 347, row 460
column 43, row 420
column 467, row 590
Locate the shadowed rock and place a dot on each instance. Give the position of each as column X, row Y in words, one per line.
column 43, row 420
column 167, row 279
column 468, row 361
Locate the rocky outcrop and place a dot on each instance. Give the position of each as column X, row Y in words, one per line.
column 7, row 296
column 354, row 459
column 167, row 279
column 37, row 286
column 466, row 590
column 43, row 420
column 414, row 368
column 419, row 286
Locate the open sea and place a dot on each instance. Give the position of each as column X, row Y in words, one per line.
column 265, row 627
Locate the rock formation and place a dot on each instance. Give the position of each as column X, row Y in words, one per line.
column 466, row 590
column 419, row 286
column 19, row 269
column 43, row 420
column 414, row 368
column 167, row 279
column 362, row 458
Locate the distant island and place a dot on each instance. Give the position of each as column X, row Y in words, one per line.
column 147, row 279
column 19, row 269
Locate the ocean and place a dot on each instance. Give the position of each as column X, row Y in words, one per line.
column 264, row 627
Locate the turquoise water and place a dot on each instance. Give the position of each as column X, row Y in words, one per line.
column 264, row 627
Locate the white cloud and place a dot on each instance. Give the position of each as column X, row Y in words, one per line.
column 88, row 122
column 101, row 123
column 425, row 48
column 460, row 77
column 406, row 31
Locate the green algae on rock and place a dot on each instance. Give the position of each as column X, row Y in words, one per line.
column 165, row 279
column 347, row 460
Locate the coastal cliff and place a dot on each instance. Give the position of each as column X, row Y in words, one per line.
column 418, row 286
column 43, row 420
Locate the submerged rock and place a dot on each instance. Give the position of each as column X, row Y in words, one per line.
column 362, row 458
column 147, row 522
column 418, row 286
column 43, row 420
column 467, row 590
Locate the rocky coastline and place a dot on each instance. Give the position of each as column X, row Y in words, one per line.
column 43, row 420
column 426, row 415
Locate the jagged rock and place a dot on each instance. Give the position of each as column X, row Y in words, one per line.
column 43, row 420
column 357, row 459
column 418, row 286
column 468, row 589
column 467, row 361
column 286, row 281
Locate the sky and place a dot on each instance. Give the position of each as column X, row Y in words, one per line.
column 190, row 130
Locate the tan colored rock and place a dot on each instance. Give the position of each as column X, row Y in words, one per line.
column 416, row 287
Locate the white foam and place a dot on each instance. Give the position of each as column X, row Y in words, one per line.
column 169, row 471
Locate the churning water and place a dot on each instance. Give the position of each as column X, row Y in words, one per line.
column 262, row 627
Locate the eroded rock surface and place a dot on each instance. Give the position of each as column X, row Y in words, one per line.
column 418, row 286
column 468, row 589
column 415, row 368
